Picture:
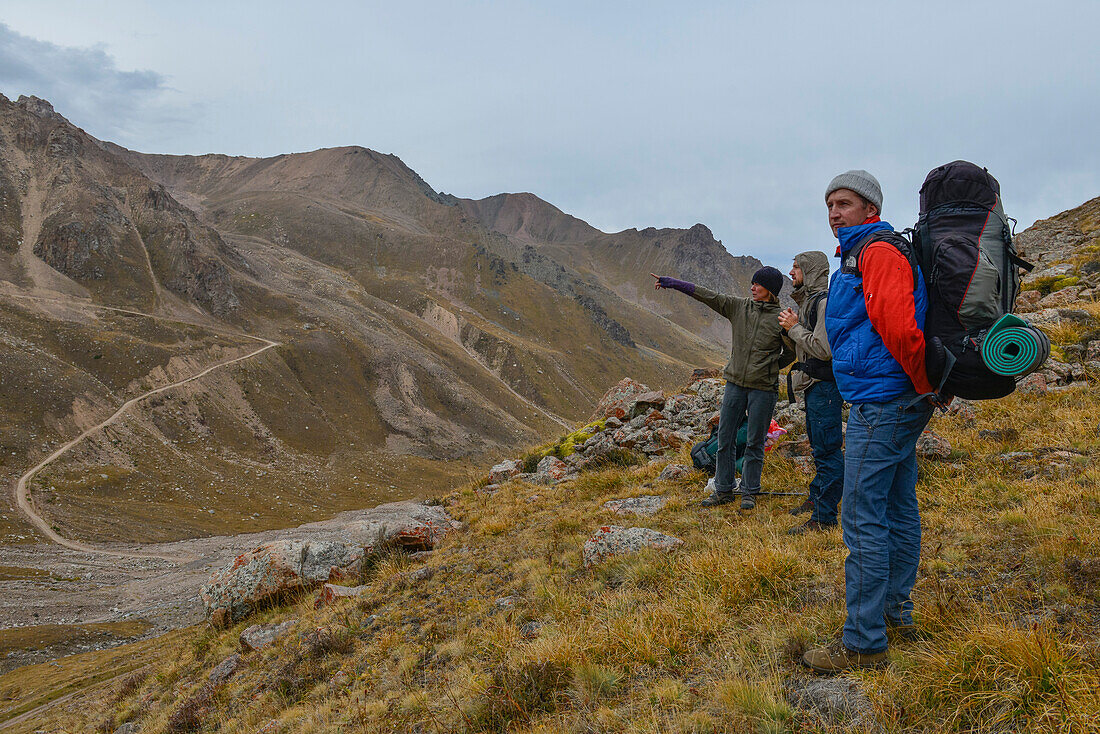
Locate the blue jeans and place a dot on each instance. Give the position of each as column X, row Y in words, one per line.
column 738, row 404
column 880, row 517
column 823, row 404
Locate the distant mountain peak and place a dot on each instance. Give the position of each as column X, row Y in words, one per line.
column 37, row 106
column 528, row 218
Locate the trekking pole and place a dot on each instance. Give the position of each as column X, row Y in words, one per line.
column 776, row 494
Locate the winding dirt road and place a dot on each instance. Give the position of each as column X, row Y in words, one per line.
column 22, row 493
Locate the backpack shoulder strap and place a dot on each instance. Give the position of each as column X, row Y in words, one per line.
column 852, row 261
column 812, row 307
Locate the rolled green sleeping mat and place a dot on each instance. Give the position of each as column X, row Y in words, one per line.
column 1014, row 347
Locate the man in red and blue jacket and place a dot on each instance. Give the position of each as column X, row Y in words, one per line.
column 874, row 319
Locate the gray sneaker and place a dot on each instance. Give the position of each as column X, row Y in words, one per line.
column 718, row 498
column 748, row 501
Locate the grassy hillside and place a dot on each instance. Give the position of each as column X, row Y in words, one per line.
column 502, row 628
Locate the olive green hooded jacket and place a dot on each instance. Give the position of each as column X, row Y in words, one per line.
column 758, row 351
column 807, row 343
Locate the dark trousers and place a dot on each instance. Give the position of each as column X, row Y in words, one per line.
column 823, row 420
column 738, row 404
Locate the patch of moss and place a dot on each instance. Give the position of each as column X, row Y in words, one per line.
column 1065, row 282
column 565, row 446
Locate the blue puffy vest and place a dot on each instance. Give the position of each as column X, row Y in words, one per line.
column 865, row 370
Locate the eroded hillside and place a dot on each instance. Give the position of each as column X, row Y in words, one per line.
column 413, row 340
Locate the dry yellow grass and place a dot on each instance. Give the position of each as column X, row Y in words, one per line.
column 703, row 639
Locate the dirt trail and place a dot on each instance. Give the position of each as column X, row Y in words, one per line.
column 22, row 493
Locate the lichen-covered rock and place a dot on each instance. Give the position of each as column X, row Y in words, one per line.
column 1061, row 298
column 673, row 472
column 1059, row 270
column 703, row 373
column 628, row 438
column 282, row 566
column 933, row 447
column 553, row 467
column 504, row 471
column 616, row 402
column 645, row 403
column 836, row 701
column 331, row 593
column 805, row 464
column 1033, row 384
column 225, row 669
column 410, row 525
column 276, row 568
column 1045, row 318
column 1028, row 301
column 612, row 540
column 643, row 506
column 962, row 408
column 259, row 636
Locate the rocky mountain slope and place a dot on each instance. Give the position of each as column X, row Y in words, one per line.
column 414, row 337
column 623, row 261
column 579, row 586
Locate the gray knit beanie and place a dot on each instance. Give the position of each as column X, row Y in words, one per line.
column 860, row 182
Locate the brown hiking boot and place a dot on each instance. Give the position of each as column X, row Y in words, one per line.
column 718, row 498
column 807, row 506
column 810, row 526
column 836, row 658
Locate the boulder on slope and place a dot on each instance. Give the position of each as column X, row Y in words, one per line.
column 504, row 471
column 612, row 540
column 276, row 568
column 616, row 402
column 259, row 636
column 410, row 525
column 273, row 569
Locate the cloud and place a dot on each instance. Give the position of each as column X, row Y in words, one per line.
column 86, row 86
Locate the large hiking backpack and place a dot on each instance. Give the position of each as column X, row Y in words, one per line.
column 704, row 452
column 963, row 244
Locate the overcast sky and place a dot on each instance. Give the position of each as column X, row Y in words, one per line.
column 625, row 114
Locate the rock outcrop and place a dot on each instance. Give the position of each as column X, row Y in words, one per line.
column 286, row 566
column 411, row 526
column 259, row 636
column 643, row 506
column 274, row 569
column 612, row 540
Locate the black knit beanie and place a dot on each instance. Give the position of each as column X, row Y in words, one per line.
column 770, row 278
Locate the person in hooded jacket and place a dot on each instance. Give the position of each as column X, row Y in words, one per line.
column 812, row 377
column 752, row 378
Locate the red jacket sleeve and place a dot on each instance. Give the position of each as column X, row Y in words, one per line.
column 888, row 293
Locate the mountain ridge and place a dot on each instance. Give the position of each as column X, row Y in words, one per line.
column 409, row 331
